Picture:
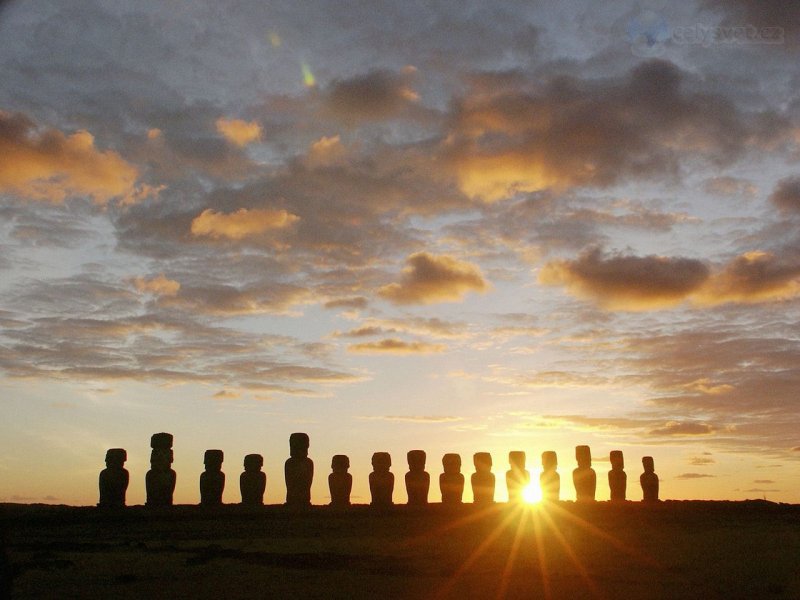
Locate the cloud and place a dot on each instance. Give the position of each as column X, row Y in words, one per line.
column 693, row 476
column 683, row 428
column 239, row 132
column 730, row 186
column 46, row 164
column 780, row 18
column 752, row 277
column 227, row 395
column 627, row 282
column 396, row 346
column 431, row 279
column 236, row 300
column 786, row 195
column 159, row 285
column 376, row 95
column 357, row 303
column 522, row 136
column 701, row 461
column 763, row 481
column 326, row 152
column 240, row 224
column 415, row 418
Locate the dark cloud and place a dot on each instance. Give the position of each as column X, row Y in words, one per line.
column 375, row 95
column 786, row 195
column 701, row 461
column 627, row 282
column 778, row 20
column 508, row 141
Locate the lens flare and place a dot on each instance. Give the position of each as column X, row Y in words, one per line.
column 308, row 76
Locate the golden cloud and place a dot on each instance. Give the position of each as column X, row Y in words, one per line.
column 428, row 279
column 395, row 346
column 46, row 164
column 240, row 224
column 239, row 132
column 626, row 282
column 159, row 286
column 326, row 152
column 751, row 278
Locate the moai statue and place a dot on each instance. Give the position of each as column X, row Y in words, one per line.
column 299, row 471
column 381, row 480
column 340, row 482
column 114, row 479
column 584, row 478
column 253, row 481
column 160, row 479
column 482, row 479
column 649, row 480
column 617, row 479
column 418, row 481
column 549, row 479
column 212, row 480
column 451, row 482
column 517, row 478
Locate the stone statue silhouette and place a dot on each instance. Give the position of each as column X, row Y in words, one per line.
column 160, row 479
column 482, row 479
column 298, row 471
column 649, row 480
column 584, row 478
column 381, row 480
column 549, row 479
column 451, row 482
column 617, row 479
column 418, row 481
column 113, row 481
column 212, row 480
column 253, row 481
column 517, row 478
column 340, row 482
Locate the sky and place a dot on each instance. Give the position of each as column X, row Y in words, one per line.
column 447, row 226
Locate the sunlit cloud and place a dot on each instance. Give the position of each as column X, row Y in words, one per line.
column 46, row 164
column 159, row 285
column 701, row 461
column 414, row 418
column 227, row 395
column 429, row 279
column 326, row 152
column 238, row 131
column 396, row 346
column 752, row 277
column 241, row 223
column 683, row 428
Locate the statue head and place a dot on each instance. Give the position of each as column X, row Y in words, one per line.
column 451, row 463
column 253, row 462
column 482, row 462
column 213, row 460
column 115, row 458
column 549, row 460
column 340, row 463
column 516, row 458
column 583, row 454
column 381, row 461
column 617, row 460
column 416, row 460
column 298, row 445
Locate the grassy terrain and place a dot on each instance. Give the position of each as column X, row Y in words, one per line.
column 672, row 550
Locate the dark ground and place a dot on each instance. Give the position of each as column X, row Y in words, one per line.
column 671, row 550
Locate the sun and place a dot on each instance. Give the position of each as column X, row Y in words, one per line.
column 532, row 493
